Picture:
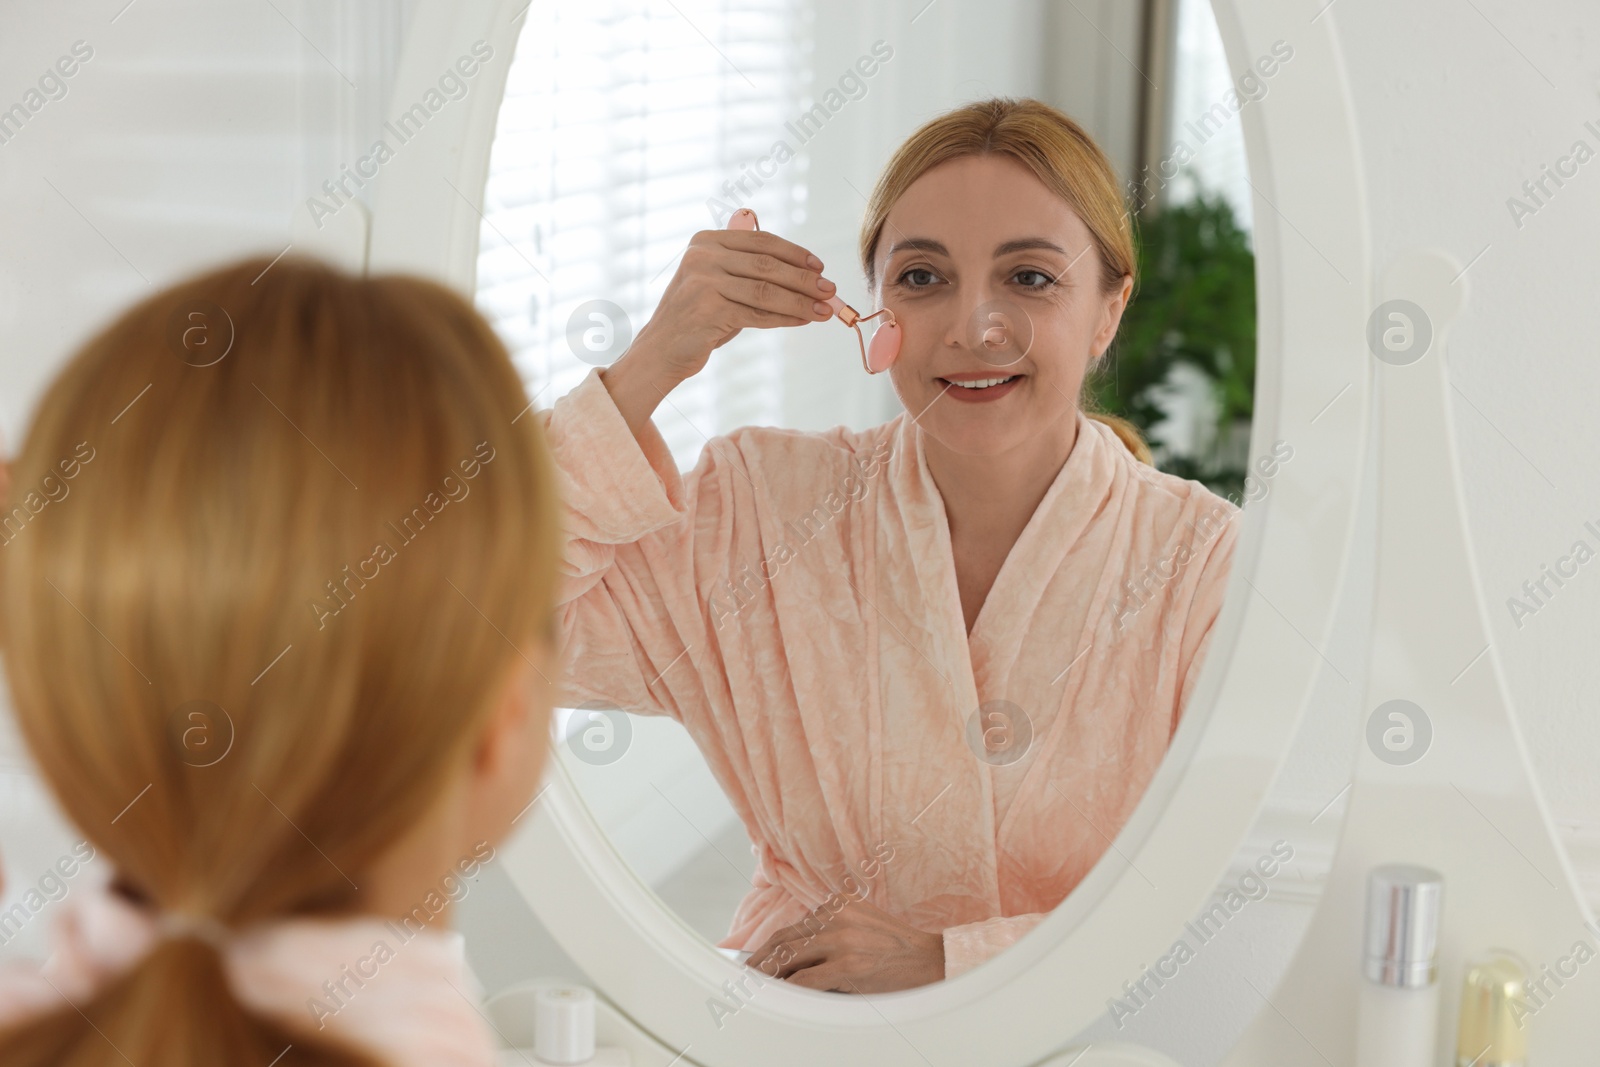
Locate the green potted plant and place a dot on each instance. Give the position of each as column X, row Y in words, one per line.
column 1191, row 325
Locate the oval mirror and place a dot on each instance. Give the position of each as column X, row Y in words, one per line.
column 1098, row 764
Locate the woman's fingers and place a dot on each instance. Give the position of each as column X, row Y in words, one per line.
column 765, row 257
column 726, row 280
column 764, row 319
column 772, row 297
column 824, row 979
column 776, row 961
column 800, row 953
column 761, row 241
column 862, row 949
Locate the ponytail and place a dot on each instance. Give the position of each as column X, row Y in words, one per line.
column 173, row 1006
column 1127, row 433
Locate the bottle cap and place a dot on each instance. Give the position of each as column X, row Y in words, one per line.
column 1494, row 998
column 563, row 1024
column 1403, row 908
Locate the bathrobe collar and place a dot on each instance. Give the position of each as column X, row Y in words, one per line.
column 1080, row 490
column 976, row 666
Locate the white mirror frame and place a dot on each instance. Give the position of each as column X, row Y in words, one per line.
column 1312, row 391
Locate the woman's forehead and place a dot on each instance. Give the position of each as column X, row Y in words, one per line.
column 979, row 206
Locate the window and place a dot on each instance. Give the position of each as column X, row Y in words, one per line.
column 1202, row 81
column 622, row 122
column 621, row 125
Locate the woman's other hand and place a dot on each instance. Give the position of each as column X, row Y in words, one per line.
column 727, row 280
column 861, row 949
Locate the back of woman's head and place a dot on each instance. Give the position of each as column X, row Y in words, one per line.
column 273, row 539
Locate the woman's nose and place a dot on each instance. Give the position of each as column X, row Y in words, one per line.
column 995, row 336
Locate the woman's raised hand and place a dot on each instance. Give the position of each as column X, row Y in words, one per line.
column 727, row 280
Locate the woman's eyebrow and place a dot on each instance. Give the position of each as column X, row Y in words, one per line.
column 1026, row 243
column 919, row 244
column 928, row 244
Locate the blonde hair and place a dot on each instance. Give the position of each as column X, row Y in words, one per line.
column 221, row 545
column 1059, row 152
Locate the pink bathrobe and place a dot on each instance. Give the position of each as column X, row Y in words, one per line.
column 792, row 602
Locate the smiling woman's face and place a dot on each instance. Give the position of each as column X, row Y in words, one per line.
column 992, row 276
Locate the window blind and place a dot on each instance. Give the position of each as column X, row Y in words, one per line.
column 622, row 119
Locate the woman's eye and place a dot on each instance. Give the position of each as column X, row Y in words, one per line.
column 919, row 284
column 1044, row 281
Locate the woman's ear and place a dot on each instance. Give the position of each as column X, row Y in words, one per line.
column 1116, row 302
column 508, row 758
column 510, row 725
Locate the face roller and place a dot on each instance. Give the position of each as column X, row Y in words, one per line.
column 885, row 346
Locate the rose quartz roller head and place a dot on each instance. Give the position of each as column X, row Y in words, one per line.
column 885, row 346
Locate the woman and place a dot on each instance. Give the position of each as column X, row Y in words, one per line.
column 938, row 660
column 290, row 802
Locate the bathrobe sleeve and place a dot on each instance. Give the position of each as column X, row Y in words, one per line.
column 628, row 603
column 1204, row 609
column 967, row 946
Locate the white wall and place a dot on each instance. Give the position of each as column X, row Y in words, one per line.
column 197, row 128
column 188, row 137
column 1456, row 110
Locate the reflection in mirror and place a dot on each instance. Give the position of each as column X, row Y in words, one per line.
column 865, row 672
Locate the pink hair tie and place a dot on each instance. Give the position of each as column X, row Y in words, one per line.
column 403, row 995
column 177, row 924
